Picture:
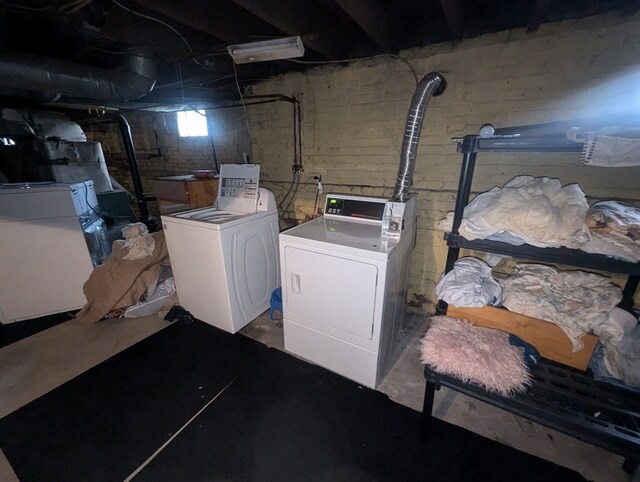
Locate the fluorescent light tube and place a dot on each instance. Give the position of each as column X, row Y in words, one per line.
column 280, row 48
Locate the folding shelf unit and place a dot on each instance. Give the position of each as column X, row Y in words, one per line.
column 560, row 397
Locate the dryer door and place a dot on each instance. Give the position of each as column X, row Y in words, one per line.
column 330, row 293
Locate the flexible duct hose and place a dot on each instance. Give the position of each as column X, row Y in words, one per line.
column 432, row 84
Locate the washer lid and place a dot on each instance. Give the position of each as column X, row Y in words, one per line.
column 211, row 218
column 40, row 186
column 238, row 187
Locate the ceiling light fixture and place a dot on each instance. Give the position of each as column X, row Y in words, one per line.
column 279, row 48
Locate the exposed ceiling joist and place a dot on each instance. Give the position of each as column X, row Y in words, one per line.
column 298, row 18
column 124, row 27
column 630, row 8
column 222, row 19
column 454, row 15
column 97, row 33
column 373, row 18
column 538, row 15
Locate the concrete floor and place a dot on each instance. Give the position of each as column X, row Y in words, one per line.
column 38, row 364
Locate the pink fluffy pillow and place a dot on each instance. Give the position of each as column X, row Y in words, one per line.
column 474, row 354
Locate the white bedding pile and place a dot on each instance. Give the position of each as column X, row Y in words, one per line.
column 541, row 212
column 538, row 211
column 469, row 284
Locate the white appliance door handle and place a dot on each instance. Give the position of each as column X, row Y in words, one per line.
column 295, row 283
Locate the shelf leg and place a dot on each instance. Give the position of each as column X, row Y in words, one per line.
column 427, row 408
column 464, row 188
column 629, row 292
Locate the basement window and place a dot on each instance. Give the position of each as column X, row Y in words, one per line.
column 192, row 123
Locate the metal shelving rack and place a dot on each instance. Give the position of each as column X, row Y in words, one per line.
column 563, row 406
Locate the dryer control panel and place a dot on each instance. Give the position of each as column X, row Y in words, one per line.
column 360, row 208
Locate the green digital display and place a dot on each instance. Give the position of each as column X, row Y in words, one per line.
column 334, row 205
column 354, row 208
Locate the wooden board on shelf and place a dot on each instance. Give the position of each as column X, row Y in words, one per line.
column 548, row 338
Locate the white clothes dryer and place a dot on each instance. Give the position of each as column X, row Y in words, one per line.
column 344, row 285
column 225, row 258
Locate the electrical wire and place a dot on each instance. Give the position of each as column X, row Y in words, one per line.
column 80, row 6
column 107, row 51
column 22, row 7
column 294, row 186
column 86, row 198
column 246, row 114
column 180, row 81
column 315, row 203
column 292, row 191
column 246, row 118
column 206, row 54
column 342, row 61
column 255, row 141
column 73, row 6
column 149, row 17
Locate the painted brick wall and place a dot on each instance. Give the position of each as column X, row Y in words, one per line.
column 162, row 152
column 354, row 118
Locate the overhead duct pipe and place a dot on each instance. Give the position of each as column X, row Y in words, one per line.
column 432, row 84
column 134, row 79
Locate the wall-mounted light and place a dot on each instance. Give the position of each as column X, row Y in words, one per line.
column 280, row 48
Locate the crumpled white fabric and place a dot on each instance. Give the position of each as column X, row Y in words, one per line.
column 574, row 300
column 162, row 296
column 469, row 284
column 611, row 151
column 623, row 359
column 622, row 366
column 615, row 230
column 613, row 146
column 538, row 211
column 614, row 246
column 616, row 327
column 620, row 335
column 138, row 240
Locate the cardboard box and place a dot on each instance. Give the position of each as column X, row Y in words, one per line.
column 186, row 190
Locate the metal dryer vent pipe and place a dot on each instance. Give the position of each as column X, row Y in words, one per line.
column 432, row 84
column 135, row 78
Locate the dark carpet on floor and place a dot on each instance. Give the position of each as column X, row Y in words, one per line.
column 280, row 419
column 12, row 332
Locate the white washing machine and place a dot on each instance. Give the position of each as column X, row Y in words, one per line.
column 49, row 234
column 225, row 258
column 344, row 285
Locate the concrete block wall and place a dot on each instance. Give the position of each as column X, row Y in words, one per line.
column 353, row 119
column 354, row 115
